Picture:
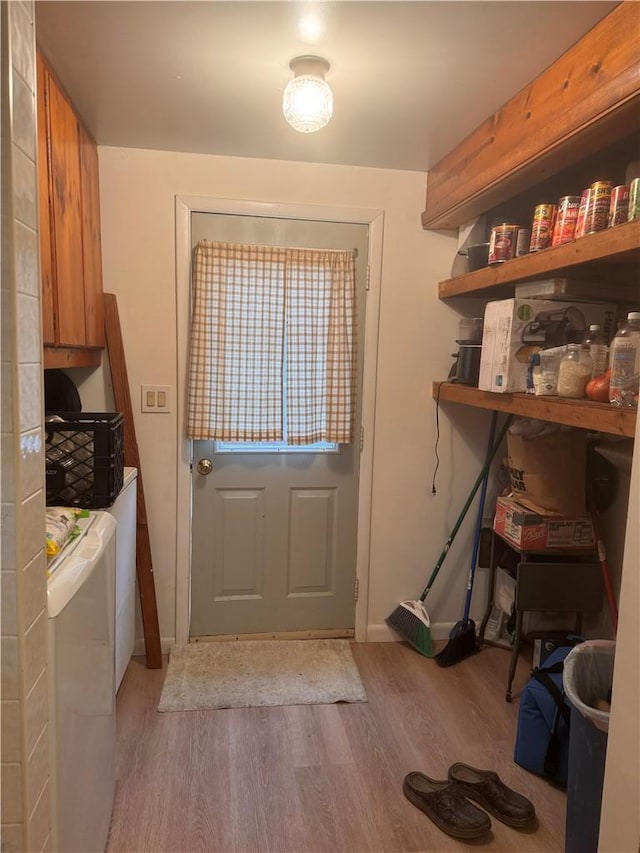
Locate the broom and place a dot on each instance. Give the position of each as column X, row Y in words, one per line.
column 410, row 618
column 462, row 638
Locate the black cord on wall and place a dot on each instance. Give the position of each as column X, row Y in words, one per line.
column 435, row 447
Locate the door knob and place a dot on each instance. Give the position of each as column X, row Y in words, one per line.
column 204, row 466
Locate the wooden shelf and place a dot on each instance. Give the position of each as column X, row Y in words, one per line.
column 619, row 245
column 585, row 414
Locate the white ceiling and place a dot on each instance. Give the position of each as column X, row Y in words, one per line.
column 410, row 79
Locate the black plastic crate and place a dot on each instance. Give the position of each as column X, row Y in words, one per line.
column 84, row 459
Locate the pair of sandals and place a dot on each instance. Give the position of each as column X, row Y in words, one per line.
column 448, row 804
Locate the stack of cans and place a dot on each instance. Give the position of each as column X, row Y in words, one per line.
column 601, row 206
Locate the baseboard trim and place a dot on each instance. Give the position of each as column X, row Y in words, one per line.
column 384, row 634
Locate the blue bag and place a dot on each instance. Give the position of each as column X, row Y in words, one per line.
column 542, row 737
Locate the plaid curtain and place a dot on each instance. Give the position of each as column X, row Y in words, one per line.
column 320, row 288
column 237, row 340
column 244, row 297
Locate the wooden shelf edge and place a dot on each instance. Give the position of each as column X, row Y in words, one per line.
column 70, row 357
column 585, row 414
column 621, row 243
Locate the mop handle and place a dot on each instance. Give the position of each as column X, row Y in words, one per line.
column 465, row 509
column 478, row 528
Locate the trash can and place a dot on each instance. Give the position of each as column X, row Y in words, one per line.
column 587, row 679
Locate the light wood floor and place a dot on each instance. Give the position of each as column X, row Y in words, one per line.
column 325, row 777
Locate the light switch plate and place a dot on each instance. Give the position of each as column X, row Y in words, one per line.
column 156, row 398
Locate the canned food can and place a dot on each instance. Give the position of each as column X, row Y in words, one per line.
column 502, row 243
column 619, row 205
column 542, row 227
column 597, row 218
column 583, row 210
column 522, row 243
column 565, row 226
column 634, row 200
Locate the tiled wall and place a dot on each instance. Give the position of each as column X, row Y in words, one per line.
column 25, row 813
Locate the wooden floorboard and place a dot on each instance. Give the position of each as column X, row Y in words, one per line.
column 322, row 777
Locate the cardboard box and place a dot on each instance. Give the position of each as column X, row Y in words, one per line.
column 528, row 531
column 514, row 329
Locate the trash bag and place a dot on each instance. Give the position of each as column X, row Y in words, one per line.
column 587, row 679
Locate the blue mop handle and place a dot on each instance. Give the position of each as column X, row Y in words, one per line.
column 478, row 528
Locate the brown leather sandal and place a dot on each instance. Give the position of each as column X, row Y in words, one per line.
column 446, row 806
column 487, row 789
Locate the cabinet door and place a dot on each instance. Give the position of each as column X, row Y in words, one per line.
column 91, row 244
column 67, row 217
column 46, row 261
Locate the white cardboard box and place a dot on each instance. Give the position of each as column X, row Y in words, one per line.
column 516, row 328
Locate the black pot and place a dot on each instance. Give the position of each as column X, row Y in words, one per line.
column 478, row 256
column 60, row 393
column 468, row 364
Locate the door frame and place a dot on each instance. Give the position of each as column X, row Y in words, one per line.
column 185, row 206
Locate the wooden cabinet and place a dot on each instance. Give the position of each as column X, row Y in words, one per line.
column 583, row 105
column 91, row 242
column 71, row 263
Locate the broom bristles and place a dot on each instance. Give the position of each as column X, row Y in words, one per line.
column 411, row 621
column 462, row 644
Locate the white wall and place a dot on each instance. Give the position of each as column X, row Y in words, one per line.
column 417, row 337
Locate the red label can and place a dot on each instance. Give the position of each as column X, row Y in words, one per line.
column 565, row 227
column 619, row 205
column 597, row 218
column 542, row 227
column 502, row 243
column 583, row 211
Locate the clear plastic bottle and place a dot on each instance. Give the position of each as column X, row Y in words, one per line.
column 598, row 350
column 575, row 371
column 625, row 363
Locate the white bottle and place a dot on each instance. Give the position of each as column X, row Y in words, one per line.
column 625, row 363
column 598, row 349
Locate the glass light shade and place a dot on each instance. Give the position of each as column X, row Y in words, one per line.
column 307, row 103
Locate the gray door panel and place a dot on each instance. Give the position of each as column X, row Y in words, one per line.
column 274, row 535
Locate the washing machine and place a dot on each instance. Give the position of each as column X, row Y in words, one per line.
column 124, row 512
column 81, row 657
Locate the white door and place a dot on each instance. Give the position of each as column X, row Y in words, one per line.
column 274, row 529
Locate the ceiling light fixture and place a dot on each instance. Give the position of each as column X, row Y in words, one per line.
column 307, row 102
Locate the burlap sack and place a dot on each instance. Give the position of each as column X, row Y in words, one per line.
column 548, row 471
